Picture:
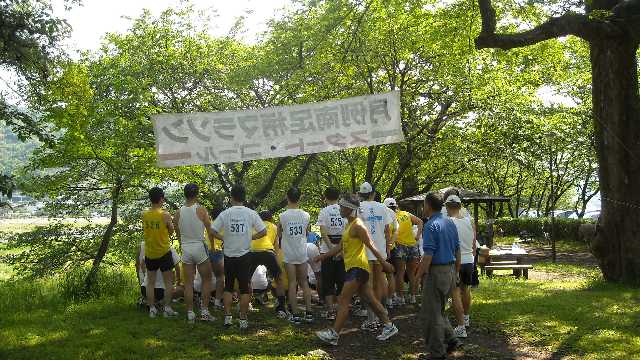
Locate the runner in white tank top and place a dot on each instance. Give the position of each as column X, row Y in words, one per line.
column 192, row 220
column 292, row 230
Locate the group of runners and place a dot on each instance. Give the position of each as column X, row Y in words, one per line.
column 367, row 252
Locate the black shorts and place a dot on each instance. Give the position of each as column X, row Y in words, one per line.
column 357, row 274
column 164, row 263
column 158, row 294
column 466, row 274
column 237, row 268
column 268, row 259
column 332, row 276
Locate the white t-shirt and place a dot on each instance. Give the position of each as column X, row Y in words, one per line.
column 394, row 220
column 197, row 282
column 159, row 280
column 238, row 223
column 330, row 218
column 259, row 279
column 294, row 223
column 375, row 217
column 312, row 252
column 465, row 234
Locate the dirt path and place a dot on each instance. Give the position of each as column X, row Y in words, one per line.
column 481, row 343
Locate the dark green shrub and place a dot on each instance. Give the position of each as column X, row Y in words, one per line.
column 563, row 229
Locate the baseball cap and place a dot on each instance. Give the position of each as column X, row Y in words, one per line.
column 390, row 202
column 366, row 188
column 453, row 199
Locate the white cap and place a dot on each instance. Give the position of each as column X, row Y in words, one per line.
column 453, row 199
column 366, row 188
column 390, row 202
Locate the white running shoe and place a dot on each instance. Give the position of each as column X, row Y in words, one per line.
column 244, row 324
column 191, row 317
column 387, row 332
column 329, row 336
column 153, row 312
column 169, row 312
column 228, row 320
column 370, row 325
column 205, row 316
column 460, row 332
column 412, row 299
column 467, row 320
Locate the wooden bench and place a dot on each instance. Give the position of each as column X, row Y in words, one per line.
column 518, row 269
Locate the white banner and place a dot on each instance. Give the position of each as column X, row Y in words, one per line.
column 233, row 136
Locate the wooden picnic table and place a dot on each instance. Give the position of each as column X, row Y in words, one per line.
column 513, row 258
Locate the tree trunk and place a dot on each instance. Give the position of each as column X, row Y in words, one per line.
column 616, row 110
column 106, row 238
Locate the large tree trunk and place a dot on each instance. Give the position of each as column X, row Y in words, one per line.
column 616, row 110
column 106, row 238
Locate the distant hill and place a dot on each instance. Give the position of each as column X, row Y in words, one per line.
column 13, row 152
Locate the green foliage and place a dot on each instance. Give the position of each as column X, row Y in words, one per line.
column 563, row 229
column 110, row 282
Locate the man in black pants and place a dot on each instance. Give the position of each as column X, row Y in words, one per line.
column 332, row 271
column 239, row 223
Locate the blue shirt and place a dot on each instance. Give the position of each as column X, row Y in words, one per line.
column 312, row 237
column 440, row 239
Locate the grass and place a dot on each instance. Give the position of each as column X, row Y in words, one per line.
column 576, row 317
column 562, row 245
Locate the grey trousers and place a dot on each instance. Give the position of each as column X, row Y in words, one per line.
column 437, row 287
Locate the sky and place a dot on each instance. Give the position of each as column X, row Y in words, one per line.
column 94, row 18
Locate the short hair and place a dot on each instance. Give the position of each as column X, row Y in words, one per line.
column 351, row 199
column 191, row 191
column 294, row 194
column 434, row 200
column 266, row 215
column 331, row 193
column 156, row 194
column 453, row 205
column 377, row 197
column 238, row 193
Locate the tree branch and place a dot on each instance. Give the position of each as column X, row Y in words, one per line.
column 579, row 25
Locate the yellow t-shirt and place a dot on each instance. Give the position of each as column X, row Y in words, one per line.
column 353, row 250
column 216, row 241
column 268, row 241
column 405, row 229
column 156, row 234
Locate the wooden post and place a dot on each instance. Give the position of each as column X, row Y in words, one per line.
column 490, row 219
column 475, row 215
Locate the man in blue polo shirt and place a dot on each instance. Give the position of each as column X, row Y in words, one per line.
column 439, row 266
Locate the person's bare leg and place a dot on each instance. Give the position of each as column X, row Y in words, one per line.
column 301, row 276
column 244, row 305
column 205, row 274
column 411, row 273
column 227, row 300
column 167, row 278
column 375, row 305
column 218, row 271
column 150, row 286
column 391, row 287
column 456, row 302
column 189, row 273
column 293, row 287
column 466, row 299
column 400, row 269
column 348, row 290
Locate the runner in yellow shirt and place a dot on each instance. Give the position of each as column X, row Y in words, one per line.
column 263, row 252
column 158, row 226
column 355, row 240
column 407, row 254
